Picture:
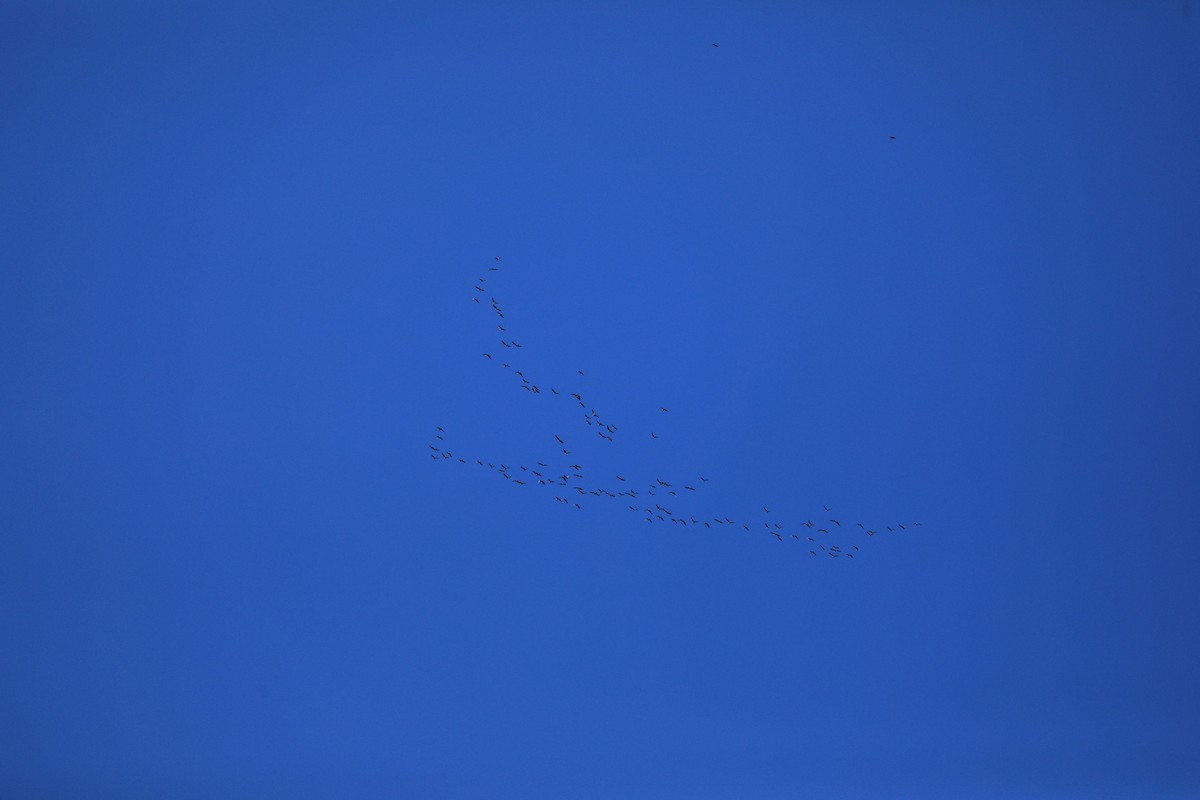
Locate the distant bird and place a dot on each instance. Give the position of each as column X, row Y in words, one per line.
column 653, row 435
column 714, row 44
column 497, row 258
column 766, row 509
column 660, row 408
column 516, row 343
column 560, row 441
column 565, row 450
column 835, row 522
column 891, row 137
column 620, row 478
column 703, row 478
column 827, row 508
column 440, row 428
column 501, row 327
column 489, row 355
column 493, row 269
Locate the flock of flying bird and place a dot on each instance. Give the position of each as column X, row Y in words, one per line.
column 658, row 501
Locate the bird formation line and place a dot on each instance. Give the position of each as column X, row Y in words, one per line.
column 656, row 500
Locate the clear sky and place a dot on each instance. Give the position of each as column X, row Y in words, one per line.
column 240, row 244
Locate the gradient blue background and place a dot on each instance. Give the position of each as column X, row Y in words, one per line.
column 239, row 243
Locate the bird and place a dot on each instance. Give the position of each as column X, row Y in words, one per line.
column 891, row 137
column 565, row 450
column 827, row 508
column 660, row 408
column 766, row 509
column 653, row 435
column 489, row 355
column 497, row 258
column 579, row 371
column 714, row 44
column 560, row 441
column 835, row 522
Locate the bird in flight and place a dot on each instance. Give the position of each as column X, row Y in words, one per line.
column 714, row 44
column 660, row 408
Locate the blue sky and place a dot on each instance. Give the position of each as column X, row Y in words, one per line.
column 241, row 245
